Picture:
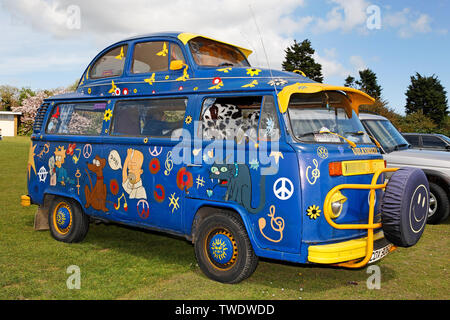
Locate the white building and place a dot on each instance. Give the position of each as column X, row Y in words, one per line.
column 8, row 123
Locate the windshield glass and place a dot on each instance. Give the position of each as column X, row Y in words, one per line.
column 325, row 117
column 387, row 135
column 445, row 138
column 210, row 53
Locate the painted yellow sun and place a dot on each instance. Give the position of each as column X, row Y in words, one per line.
column 108, row 114
column 218, row 248
column 188, row 120
column 313, row 212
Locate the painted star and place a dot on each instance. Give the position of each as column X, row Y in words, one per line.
column 31, row 163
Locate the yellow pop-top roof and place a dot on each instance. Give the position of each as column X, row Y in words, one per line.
column 185, row 37
column 356, row 97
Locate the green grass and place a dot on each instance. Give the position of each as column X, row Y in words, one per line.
column 125, row 263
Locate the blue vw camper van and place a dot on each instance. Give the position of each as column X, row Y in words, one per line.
column 177, row 132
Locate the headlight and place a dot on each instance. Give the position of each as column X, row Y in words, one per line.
column 337, row 203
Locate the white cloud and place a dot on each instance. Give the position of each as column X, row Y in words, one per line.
column 105, row 22
column 358, row 63
column 345, row 16
column 408, row 22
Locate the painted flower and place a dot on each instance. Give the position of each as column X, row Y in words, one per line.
column 253, row 72
column 188, row 120
column 313, row 212
column 108, row 114
column 277, row 82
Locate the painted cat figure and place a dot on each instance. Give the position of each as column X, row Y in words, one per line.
column 236, row 178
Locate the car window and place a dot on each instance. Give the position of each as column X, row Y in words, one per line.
column 413, row 140
column 154, row 56
column 235, row 118
column 432, row 142
column 111, row 64
column 149, row 118
column 77, row 119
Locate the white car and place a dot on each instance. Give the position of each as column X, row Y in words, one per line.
column 397, row 153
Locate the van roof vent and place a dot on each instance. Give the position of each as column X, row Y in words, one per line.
column 39, row 119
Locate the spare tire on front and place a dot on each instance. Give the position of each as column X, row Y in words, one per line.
column 404, row 208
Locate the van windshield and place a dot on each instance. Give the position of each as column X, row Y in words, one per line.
column 210, row 53
column 325, row 117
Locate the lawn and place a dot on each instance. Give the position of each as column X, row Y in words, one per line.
column 125, row 263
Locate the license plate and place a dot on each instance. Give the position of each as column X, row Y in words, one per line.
column 380, row 253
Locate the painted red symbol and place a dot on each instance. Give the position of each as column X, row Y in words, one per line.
column 56, row 115
column 125, row 91
column 217, row 80
column 184, row 179
column 114, row 187
column 159, row 197
column 143, row 209
column 117, row 92
column 71, row 149
column 154, row 166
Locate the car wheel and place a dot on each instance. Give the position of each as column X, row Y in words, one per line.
column 223, row 249
column 67, row 221
column 405, row 206
column 439, row 204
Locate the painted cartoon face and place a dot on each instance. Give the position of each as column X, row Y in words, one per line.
column 60, row 156
column 418, row 208
column 135, row 166
column 222, row 172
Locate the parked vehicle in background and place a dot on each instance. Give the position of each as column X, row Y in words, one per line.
column 431, row 141
column 397, row 152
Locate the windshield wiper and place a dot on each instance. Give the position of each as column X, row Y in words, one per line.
column 351, row 143
column 401, row 145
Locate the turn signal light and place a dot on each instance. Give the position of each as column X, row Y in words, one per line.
column 335, row 169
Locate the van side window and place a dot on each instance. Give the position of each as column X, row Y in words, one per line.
column 149, row 118
column 77, row 119
column 154, row 56
column 235, row 118
column 111, row 64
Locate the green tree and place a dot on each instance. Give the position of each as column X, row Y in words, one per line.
column 426, row 94
column 350, row 82
column 299, row 56
column 417, row 122
column 369, row 84
column 8, row 98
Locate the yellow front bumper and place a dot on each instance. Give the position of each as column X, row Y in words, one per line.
column 341, row 251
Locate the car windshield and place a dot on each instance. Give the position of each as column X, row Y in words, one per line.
column 210, row 53
column 387, row 135
column 325, row 117
column 445, row 138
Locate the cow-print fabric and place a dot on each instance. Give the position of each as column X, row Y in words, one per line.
column 227, row 122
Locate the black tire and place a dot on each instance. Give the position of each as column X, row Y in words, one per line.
column 439, row 204
column 404, row 208
column 67, row 221
column 240, row 260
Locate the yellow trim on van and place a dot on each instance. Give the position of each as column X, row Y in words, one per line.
column 341, row 251
column 185, row 37
column 356, row 97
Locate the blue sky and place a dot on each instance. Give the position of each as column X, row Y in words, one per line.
column 46, row 44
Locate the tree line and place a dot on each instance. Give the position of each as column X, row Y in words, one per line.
column 426, row 105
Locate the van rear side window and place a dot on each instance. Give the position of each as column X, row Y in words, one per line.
column 77, row 119
column 235, row 118
column 149, row 118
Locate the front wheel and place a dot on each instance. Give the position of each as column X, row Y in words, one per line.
column 67, row 221
column 223, row 249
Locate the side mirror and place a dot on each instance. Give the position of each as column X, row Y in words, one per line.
column 176, row 65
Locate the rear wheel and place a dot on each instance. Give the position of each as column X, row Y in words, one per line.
column 223, row 249
column 67, row 221
column 439, row 204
